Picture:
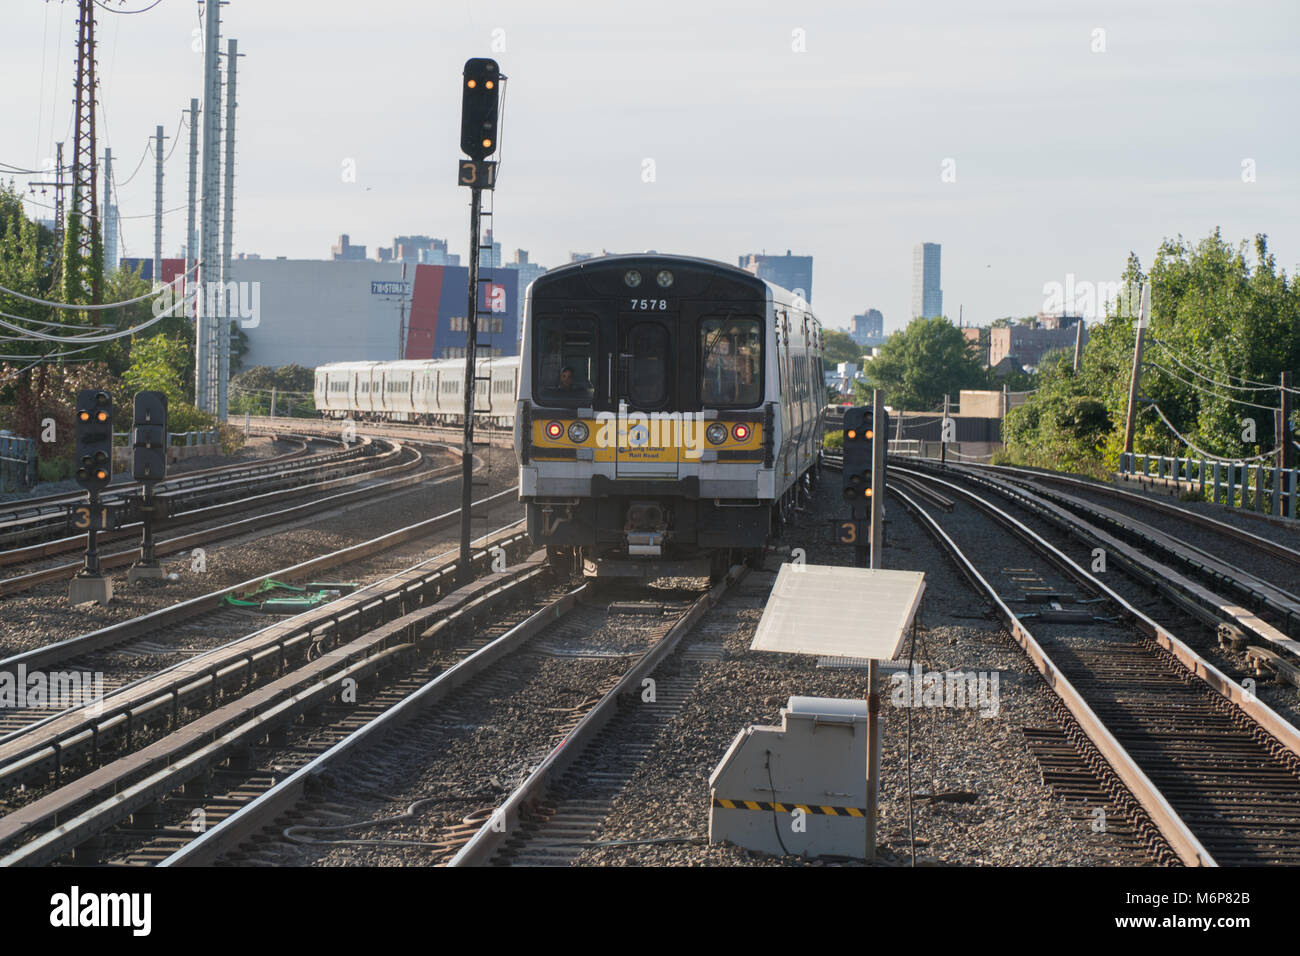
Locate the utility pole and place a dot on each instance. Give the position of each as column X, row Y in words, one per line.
column 1131, row 418
column 1078, row 343
column 110, row 215
column 1284, row 436
column 157, row 205
column 58, row 185
column 223, row 336
column 191, row 252
column 205, row 344
column 401, row 322
column 85, row 180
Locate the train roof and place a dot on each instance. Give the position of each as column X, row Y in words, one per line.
column 618, row 260
column 499, row 360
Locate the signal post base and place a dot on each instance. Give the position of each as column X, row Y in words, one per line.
column 144, row 572
column 90, row 587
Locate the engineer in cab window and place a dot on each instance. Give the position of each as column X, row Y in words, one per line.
column 567, row 384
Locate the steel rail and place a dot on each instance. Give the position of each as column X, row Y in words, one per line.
column 41, row 749
column 255, row 815
column 505, row 820
column 141, row 778
column 1171, row 826
column 1285, row 733
column 117, row 559
column 1274, row 548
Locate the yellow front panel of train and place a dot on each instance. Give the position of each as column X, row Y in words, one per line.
column 643, row 439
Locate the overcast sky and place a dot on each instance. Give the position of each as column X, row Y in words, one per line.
column 1034, row 140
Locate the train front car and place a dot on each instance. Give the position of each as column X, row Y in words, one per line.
column 668, row 413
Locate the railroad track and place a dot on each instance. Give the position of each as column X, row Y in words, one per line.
column 51, row 517
column 1201, row 770
column 452, row 433
column 527, row 692
column 19, row 516
column 122, row 653
column 190, row 718
column 401, row 468
column 203, row 499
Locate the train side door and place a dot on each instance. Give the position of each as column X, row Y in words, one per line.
column 649, row 439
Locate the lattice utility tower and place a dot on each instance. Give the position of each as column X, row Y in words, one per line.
column 85, row 179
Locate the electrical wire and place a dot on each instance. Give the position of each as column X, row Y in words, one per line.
column 776, row 827
column 148, row 148
column 1201, row 451
column 93, row 308
column 103, row 5
column 1205, row 391
column 1241, row 388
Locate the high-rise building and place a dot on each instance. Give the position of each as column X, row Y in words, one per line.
column 343, row 250
column 868, row 328
column 437, row 255
column 489, row 253
column 788, row 271
column 927, row 296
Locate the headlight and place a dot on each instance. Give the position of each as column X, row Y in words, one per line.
column 665, row 279
column 716, row 433
column 578, row 433
column 632, row 278
column 740, row 432
column 554, row 430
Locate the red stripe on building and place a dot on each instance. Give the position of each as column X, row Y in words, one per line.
column 423, row 320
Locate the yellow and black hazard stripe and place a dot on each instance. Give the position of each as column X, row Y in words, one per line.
column 719, row 803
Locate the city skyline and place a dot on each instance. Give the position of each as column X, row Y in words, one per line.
column 1043, row 159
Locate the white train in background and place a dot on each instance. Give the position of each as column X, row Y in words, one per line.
column 424, row 392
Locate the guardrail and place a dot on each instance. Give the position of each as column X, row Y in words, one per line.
column 17, row 463
column 1229, row 482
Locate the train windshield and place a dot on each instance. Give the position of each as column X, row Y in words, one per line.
column 564, row 370
column 731, row 352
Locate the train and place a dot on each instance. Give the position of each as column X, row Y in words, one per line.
column 419, row 392
column 667, row 411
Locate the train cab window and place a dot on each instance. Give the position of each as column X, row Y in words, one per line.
column 731, row 355
column 564, row 369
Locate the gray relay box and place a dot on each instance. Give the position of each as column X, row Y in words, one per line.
column 809, row 775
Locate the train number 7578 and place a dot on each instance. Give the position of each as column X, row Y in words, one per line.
column 649, row 305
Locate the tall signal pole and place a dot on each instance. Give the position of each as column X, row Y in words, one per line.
column 480, row 91
column 205, row 343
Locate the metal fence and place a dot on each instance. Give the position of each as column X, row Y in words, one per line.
column 1253, row 486
column 17, row 463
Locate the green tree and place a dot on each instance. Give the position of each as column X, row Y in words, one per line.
column 839, row 347
column 157, row 365
column 928, row 359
